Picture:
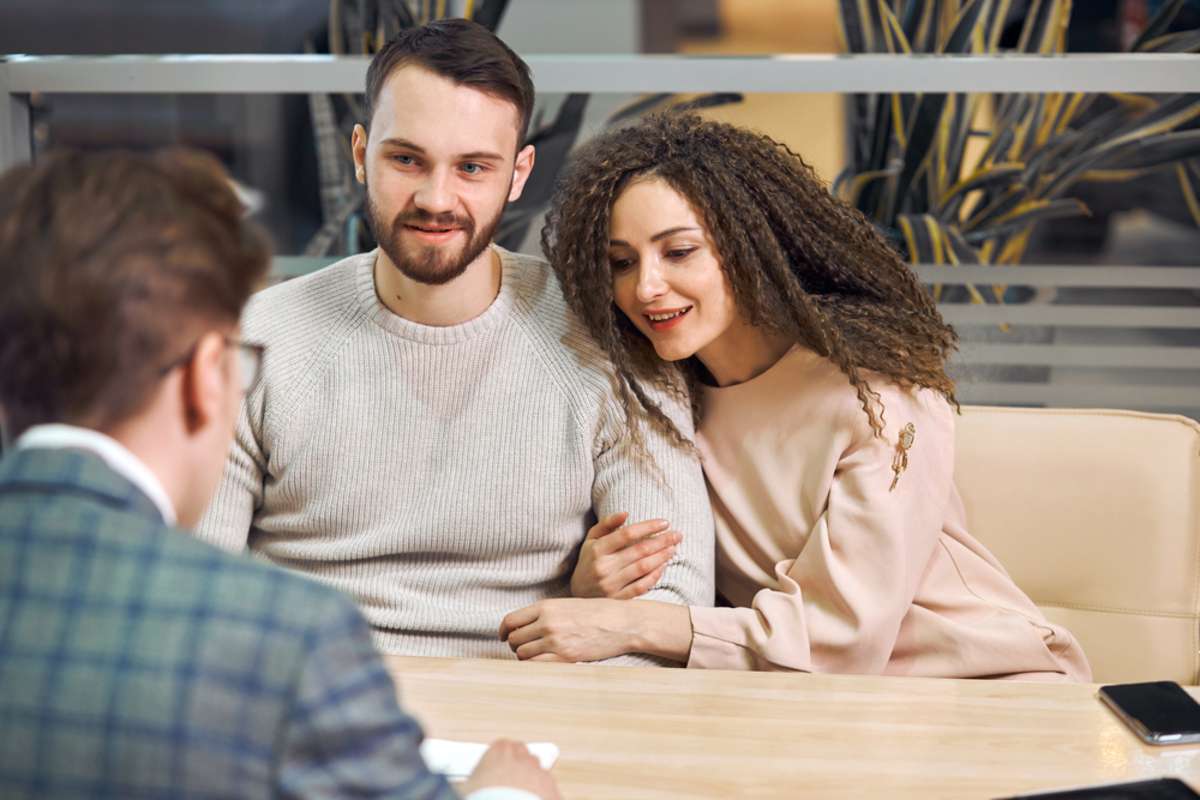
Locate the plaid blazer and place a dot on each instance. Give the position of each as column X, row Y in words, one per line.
column 137, row 662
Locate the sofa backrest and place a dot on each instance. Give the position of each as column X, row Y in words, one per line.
column 1096, row 515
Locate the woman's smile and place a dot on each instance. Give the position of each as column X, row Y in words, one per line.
column 665, row 319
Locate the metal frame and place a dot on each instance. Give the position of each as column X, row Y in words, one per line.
column 22, row 75
column 249, row 74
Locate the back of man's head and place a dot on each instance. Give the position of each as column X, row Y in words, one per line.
column 111, row 264
column 461, row 51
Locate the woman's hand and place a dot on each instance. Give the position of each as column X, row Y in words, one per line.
column 573, row 629
column 569, row 629
column 623, row 562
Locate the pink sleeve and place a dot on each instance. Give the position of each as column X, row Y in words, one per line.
column 839, row 603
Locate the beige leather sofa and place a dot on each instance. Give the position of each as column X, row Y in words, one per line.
column 1096, row 515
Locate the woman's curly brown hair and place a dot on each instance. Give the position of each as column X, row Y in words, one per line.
column 799, row 261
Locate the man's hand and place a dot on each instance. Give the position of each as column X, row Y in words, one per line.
column 623, row 562
column 509, row 763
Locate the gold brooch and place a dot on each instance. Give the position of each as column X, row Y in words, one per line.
column 900, row 460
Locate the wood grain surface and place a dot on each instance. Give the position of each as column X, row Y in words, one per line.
column 668, row 733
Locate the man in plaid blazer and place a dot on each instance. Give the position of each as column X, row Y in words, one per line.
column 135, row 661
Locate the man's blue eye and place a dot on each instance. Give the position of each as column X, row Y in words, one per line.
column 472, row 169
column 402, row 159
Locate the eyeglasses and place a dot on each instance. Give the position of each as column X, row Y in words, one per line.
column 249, row 356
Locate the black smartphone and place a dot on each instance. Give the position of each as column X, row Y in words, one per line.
column 1161, row 789
column 1160, row 712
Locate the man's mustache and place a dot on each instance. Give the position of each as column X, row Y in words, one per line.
column 427, row 220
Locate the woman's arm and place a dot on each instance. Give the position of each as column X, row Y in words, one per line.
column 623, row 561
column 838, row 605
column 572, row 629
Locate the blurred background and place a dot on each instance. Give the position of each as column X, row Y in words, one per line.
column 290, row 152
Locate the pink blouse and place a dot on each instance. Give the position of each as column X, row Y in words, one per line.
column 829, row 568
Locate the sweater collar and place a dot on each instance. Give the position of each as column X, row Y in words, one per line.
column 493, row 317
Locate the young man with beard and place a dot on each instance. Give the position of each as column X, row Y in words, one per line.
column 435, row 432
column 135, row 661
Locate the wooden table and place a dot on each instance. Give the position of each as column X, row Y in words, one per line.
column 668, row 733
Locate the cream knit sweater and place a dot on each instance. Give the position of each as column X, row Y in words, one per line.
column 441, row 476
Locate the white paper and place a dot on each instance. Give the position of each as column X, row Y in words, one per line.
column 458, row 759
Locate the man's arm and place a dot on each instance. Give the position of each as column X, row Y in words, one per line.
column 226, row 522
column 624, row 482
column 346, row 735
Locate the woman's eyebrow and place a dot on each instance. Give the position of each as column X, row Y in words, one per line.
column 657, row 236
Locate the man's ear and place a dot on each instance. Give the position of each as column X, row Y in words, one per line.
column 204, row 383
column 358, row 150
column 522, row 168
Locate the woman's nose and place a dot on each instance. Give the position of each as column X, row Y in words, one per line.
column 650, row 283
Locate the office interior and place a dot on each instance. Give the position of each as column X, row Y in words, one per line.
column 1096, row 323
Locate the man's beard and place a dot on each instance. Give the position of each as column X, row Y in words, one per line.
column 426, row 263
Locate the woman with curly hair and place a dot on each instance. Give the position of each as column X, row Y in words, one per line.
column 708, row 259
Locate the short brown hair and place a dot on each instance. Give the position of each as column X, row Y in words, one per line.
column 111, row 263
column 461, row 51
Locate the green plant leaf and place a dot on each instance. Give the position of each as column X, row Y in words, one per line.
column 922, row 236
column 1182, row 42
column 966, row 26
column 873, row 198
column 995, row 24
column 1154, row 151
column 1027, row 130
column 1012, row 108
column 1072, row 106
column 1034, row 16
column 929, row 241
column 997, row 208
column 861, row 26
column 851, row 190
column 995, row 176
column 965, row 107
column 852, row 26
column 874, row 29
column 1188, row 174
column 910, row 17
column 1044, row 23
column 1172, row 112
column 926, row 38
column 1049, row 156
column 921, row 132
column 860, row 110
column 1095, row 131
column 1096, row 151
column 1027, row 214
column 893, row 32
